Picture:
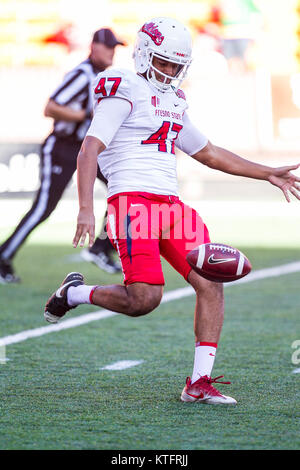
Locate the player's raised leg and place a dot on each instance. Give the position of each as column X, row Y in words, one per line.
column 133, row 300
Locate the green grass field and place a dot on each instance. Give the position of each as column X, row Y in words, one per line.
column 56, row 395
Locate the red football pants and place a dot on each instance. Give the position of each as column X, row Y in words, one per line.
column 144, row 226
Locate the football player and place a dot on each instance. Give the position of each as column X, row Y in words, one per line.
column 139, row 120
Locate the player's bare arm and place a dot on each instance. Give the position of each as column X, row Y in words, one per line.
column 223, row 160
column 64, row 113
column 86, row 175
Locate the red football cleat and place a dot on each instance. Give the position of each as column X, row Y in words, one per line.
column 202, row 391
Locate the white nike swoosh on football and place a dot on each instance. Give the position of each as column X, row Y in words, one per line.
column 58, row 292
column 213, row 260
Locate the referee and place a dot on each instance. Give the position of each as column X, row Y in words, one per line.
column 71, row 107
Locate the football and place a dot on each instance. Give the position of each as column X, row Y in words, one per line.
column 218, row 262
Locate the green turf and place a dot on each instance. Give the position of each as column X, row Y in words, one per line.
column 54, row 394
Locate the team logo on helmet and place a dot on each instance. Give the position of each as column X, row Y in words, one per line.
column 152, row 30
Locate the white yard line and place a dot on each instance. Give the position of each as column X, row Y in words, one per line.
column 64, row 325
column 167, row 297
column 121, row 365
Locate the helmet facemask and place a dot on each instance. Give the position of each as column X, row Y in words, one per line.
column 169, row 82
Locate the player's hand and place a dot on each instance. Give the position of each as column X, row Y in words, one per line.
column 286, row 181
column 85, row 226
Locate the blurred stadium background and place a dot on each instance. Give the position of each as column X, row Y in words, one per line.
column 243, row 89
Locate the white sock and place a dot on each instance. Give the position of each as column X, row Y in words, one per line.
column 80, row 295
column 204, row 359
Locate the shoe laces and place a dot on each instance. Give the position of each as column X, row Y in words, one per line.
column 205, row 384
column 210, row 380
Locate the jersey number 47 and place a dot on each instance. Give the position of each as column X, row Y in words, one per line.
column 160, row 137
column 107, row 86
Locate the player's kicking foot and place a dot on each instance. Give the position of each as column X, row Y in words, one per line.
column 202, row 391
column 57, row 305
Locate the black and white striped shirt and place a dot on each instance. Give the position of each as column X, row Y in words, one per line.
column 76, row 91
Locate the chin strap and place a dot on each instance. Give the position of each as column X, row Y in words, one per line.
column 160, row 85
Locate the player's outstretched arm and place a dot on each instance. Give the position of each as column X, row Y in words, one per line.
column 228, row 162
column 86, row 175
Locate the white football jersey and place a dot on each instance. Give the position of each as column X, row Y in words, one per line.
column 140, row 151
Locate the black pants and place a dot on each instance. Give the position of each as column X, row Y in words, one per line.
column 58, row 164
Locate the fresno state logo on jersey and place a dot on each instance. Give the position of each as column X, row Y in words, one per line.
column 152, row 30
column 155, row 101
